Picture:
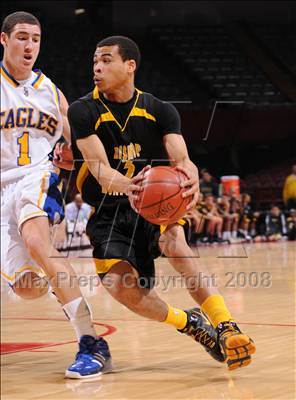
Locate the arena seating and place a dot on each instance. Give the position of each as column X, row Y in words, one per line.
column 266, row 186
column 281, row 39
column 197, row 64
column 216, row 59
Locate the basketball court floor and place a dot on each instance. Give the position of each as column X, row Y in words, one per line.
column 152, row 360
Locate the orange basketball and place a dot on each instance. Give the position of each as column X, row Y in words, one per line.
column 161, row 201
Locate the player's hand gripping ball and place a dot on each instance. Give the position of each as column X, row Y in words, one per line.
column 161, row 201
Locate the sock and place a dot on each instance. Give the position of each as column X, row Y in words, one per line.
column 234, row 234
column 176, row 317
column 80, row 316
column 226, row 235
column 215, row 308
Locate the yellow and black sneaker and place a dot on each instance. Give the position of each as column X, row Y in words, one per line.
column 201, row 330
column 235, row 345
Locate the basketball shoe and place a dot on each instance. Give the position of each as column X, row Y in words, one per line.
column 93, row 359
column 235, row 345
column 200, row 329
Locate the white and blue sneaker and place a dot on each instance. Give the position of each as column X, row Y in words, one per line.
column 92, row 360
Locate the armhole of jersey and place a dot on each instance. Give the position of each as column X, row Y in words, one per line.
column 56, row 94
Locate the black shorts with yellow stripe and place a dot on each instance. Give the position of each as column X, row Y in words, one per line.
column 118, row 233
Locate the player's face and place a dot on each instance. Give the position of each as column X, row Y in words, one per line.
column 110, row 71
column 21, row 47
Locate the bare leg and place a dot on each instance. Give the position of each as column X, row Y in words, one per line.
column 36, row 236
column 199, row 282
column 121, row 283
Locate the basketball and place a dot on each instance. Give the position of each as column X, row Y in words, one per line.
column 161, row 201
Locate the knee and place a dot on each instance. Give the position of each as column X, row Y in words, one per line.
column 173, row 244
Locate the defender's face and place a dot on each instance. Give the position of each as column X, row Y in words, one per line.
column 21, row 47
column 110, row 71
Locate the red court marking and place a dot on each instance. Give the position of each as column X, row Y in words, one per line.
column 43, row 351
column 16, row 347
column 266, row 324
column 134, row 320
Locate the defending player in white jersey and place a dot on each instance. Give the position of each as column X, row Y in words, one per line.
column 33, row 117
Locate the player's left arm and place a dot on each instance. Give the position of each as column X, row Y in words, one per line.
column 62, row 156
column 170, row 127
column 64, row 110
column 177, row 152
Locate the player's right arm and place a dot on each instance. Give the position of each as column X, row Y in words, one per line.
column 94, row 154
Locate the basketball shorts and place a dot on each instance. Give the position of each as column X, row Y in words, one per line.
column 36, row 194
column 119, row 233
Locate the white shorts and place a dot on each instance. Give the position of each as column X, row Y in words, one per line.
column 36, row 194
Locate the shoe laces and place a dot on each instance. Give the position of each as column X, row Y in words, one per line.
column 90, row 345
column 227, row 328
column 203, row 337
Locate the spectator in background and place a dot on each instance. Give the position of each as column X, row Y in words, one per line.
column 77, row 214
column 207, row 185
column 196, row 220
column 248, row 218
column 291, row 225
column 214, row 221
column 77, row 210
column 230, row 218
column 274, row 227
column 289, row 192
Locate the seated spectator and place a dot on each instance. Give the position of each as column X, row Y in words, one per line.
column 77, row 209
column 76, row 215
column 274, row 226
column 248, row 218
column 196, row 220
column 214, row 221
column 289, row 192
column 230, row 217
column 207, row 185
column 291, row 225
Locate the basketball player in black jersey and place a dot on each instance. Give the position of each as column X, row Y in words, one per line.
column 118, row 131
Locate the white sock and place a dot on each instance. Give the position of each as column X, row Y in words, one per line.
column 234, row 234
column 80, row 316
column 226, row 235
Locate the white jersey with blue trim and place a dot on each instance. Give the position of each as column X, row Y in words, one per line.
column 31, row 123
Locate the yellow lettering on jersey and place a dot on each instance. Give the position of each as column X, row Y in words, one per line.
column 129, row 152
column 124, row 153
column 130, row 168
column 23, row 142
column 138, row 149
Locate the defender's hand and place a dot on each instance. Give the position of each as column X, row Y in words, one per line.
column 63, row 156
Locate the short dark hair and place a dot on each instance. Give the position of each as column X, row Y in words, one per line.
column 127, row 48
column 18, row 17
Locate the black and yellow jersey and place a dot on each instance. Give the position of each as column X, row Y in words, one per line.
column 131, row 133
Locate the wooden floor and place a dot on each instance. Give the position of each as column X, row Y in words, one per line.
column 153, row 361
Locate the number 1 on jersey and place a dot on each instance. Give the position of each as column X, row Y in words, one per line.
column 23, row 142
